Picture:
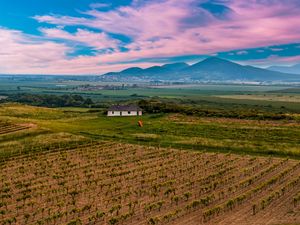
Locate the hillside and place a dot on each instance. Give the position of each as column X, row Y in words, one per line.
column 295, row 69
column 210, row 69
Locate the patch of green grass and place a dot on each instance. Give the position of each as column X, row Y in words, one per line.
column 225, row 136
column 278, row 138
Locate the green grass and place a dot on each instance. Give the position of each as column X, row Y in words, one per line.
column 203, row 94
column 281, row 138
column 242, row 137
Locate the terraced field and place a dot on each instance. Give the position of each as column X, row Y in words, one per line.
column 111, row 183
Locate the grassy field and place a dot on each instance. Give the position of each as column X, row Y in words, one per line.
column 267, row 97
column 68, row 86
column 281, row 138
column 264, row 97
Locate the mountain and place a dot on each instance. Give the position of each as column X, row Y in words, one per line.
column 295, row 69
column 132, row 70
column 210, row 69
column 176, row 66
column 163, row 72
column 214, row 68
column 155, row 70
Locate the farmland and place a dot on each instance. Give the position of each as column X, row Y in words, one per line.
column 6, row 128
column 270, row 97
column 216, row 160
column 110, row 183
column 72, row 125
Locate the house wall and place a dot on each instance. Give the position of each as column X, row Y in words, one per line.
column 111, row 113
column 124, row 113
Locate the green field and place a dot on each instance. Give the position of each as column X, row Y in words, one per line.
column 212, row 128
column 72, row 125
column 283, row 98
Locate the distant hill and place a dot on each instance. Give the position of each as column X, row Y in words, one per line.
column 176, row 66
column 295, row 69
column 210, row 69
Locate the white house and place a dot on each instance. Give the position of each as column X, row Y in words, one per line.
column 124, row 110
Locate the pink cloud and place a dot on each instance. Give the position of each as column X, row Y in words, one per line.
column 273, row 60
column 96, row 40
column 284, row 60
column 30, row 55
column 259, row 24
column 159, row 28
column 154, row 19
column 21, row 51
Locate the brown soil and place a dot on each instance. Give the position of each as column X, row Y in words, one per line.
column 138, row 185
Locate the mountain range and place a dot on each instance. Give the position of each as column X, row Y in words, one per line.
column 210, row 69
column 295, row 69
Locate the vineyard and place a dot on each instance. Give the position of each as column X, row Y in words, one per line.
column 6, row 127
column 111, row 183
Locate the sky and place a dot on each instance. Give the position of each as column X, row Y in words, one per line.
column 97, row 36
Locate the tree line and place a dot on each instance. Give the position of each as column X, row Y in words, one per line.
column 158, row 106
column 51, row 100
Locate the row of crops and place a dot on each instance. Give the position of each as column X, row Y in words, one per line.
column 110, row 183
column 6, row 127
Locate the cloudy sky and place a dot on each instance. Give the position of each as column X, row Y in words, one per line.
column 97, row 36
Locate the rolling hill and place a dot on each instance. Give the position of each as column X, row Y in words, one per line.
column 295, row 69
column 210, row 69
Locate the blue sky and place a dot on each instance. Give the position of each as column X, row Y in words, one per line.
column 94, row 37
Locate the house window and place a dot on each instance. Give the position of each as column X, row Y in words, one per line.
column 112, row 112
column 129, row 112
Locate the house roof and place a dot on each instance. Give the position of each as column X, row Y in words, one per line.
column 124, row 108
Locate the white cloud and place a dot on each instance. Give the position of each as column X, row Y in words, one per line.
column 242, row 52
column 99, row 5
column 20, row 51
column 25, row 54
column 98, row 41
